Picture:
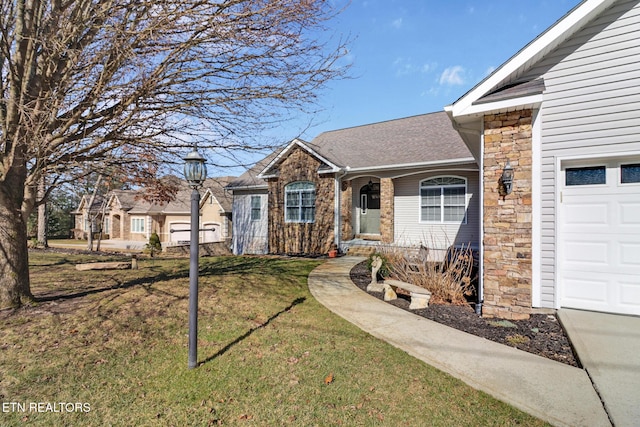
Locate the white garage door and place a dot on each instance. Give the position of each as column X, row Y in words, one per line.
column 211, row 232
column 180, row 232
column 599, row 236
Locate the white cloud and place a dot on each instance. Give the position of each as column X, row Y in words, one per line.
column 405, row 66
column 397, row 23
column 452, row 76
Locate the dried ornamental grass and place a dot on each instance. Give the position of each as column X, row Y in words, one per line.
column 450, row 280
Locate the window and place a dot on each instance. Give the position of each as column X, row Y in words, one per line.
column 630, row 173
column 256, row 211
column 300, row 202
column 590, row 175
column 137, row 225
column 443, row 199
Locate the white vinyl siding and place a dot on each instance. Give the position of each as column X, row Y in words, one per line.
column 409, row 230
column 590, row 108
column 249, row 236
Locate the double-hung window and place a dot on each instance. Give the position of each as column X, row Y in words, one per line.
column 256, row 208
column 443, row 199
column 300, row 202
column 137, row 225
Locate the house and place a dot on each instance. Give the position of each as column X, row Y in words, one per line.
column 126, row 215
column 410, row 182
column 85, row 215
column 564, row 112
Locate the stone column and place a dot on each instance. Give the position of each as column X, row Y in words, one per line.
column 387, row 194
column 507, row 223
column 346, row 210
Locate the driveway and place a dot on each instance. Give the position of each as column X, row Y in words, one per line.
column 608, row 346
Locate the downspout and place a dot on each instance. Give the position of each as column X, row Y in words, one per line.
column 337, row 217
column 480, row 290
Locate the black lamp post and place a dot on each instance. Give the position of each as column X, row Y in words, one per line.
column 195, row 172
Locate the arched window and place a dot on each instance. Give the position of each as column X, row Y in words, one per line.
column 443, row 199
column 300, row 202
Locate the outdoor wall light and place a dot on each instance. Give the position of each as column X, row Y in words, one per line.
column 195, row 171
column 506, row 180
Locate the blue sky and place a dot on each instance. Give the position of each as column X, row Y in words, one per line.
column 412, row 57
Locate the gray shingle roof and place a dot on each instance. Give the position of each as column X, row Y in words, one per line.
column 410, row 141
column 413, row 140
column 250, row 177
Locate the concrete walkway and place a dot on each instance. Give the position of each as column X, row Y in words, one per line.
column 557, row 393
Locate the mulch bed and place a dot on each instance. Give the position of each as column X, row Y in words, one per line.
column 541, row 334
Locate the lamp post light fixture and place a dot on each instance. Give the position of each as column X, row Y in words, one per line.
column 195, row 172
column 506, row 180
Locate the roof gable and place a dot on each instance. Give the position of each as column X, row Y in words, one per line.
column 506, row 76
column 271, row 168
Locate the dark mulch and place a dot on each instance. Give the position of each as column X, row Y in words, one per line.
column 541, row 334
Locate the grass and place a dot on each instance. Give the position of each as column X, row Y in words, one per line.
column 115, row 342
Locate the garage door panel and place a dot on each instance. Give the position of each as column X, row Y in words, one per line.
column 630, row 293
column 630, row 215
column 585, row 214
column 630, row 254
column 581, row 252
column 578, row 290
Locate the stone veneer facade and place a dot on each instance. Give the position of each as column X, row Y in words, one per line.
column 301, row 238
column 507, row 223
column 387, row 195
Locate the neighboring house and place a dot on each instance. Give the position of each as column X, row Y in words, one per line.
column 127, row 216
column 84, row 216
column 565, row 112
column 409, row 182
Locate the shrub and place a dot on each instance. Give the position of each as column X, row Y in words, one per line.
column 154, row 244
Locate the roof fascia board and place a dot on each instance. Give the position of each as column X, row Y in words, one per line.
column 505, row 105
column 448, row 162
column 248, row 187
column 561, row 30
column 296, row 142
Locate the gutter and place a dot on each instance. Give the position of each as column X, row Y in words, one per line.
column 448, row 162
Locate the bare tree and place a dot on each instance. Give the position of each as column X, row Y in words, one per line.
column 98, row 84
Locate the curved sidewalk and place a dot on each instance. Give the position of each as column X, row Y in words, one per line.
column 557, row 393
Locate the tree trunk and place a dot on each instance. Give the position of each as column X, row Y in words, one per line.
column 15, row 289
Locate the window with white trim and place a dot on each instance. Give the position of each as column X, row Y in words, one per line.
column 137, row 225
column 300, row 202
column 256, row 208
column 443, row 199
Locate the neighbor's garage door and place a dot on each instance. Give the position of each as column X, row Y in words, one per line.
column 599, row 237
column 180, row 232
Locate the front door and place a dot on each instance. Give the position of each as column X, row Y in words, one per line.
column 370, row 208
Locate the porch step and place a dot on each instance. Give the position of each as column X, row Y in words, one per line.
column 361, row 250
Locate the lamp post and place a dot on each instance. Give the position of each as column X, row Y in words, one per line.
column 195, row 172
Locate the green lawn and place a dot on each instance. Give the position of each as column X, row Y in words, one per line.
column 115, row 343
